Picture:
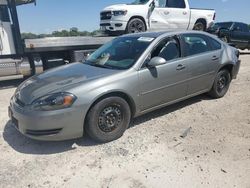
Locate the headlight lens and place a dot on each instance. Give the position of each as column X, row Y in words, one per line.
column 55, row 101
column 120, row 12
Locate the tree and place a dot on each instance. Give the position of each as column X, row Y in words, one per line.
column 74, row 31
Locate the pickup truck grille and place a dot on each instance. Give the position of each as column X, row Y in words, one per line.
column 106, row 15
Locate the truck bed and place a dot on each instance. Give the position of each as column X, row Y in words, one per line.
column 64, row 43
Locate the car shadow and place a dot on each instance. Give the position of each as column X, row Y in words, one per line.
column 168, row 109
column 10, row 84
column 245, row 53
column 25, row 145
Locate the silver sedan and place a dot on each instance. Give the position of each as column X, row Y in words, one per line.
column 127, row 77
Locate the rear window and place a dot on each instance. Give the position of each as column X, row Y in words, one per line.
column 176, row 4
column 4, row 13
column 195, row 44
column 215, row 45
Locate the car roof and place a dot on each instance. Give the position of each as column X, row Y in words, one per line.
column 163, row 33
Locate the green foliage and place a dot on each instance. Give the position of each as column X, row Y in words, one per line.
column 73, row 32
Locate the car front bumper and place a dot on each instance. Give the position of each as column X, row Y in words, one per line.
column 55, row 125
column 113, row 26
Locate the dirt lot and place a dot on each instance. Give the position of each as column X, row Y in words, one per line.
column 215, row 152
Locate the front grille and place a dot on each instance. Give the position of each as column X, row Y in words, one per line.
column 43, row 132
column 106, row 15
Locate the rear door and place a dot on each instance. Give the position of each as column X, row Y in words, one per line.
column 165, row 83
column 203, row 55
column 170, row 14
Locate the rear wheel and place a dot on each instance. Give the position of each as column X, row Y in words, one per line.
column 136, row 25
column 199, row 26
column 108, row 119
column 221, row 84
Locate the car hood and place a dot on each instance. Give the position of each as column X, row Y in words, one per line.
column 56, row 80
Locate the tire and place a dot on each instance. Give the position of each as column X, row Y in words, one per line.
column 108, row 119
column 199, row 26
column 221, row 84
column 225, row 39
column 136, row 25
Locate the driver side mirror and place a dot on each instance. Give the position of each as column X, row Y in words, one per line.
column 156, row 61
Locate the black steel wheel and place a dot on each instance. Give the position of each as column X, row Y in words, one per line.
column 221, row 84
column 108, row 119
column 136, row 25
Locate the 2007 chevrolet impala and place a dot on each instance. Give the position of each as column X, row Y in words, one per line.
column 127, row 77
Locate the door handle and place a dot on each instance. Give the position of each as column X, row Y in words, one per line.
column 214, row 58
column 180, row 67
column 184, row 13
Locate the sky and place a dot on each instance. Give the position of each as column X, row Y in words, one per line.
column 52, row 15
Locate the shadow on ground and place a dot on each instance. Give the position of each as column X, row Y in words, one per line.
column 245, row 53
column 10, row 83
column 28, row 146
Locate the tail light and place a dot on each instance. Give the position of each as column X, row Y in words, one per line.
column 214, row 16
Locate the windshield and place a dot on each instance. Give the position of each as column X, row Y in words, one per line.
column 140, row 2
column 120, row 53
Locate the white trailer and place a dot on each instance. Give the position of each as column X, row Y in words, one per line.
column 32, row 56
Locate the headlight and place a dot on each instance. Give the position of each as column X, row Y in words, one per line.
column 54, row 102
column 120, row 12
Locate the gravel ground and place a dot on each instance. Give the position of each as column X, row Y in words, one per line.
column 214, row 153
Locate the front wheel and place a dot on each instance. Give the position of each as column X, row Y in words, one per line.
column 225, row 39
column 136, row 25
column 221, row 84
column 108, row 119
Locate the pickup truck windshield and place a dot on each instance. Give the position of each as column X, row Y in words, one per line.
column 140, row 2
column 120, row 53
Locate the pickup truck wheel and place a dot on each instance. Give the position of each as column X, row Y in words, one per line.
column 221, row 84
column 108, row 119
column 199, row 26
column 136, row 25
column 225, row 39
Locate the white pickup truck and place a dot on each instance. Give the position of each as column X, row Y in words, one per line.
column 154, row 15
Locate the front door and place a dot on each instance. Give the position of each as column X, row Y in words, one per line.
column 6, row 38
column 165, row 83
column 170, row 14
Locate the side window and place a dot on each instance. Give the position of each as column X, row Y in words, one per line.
column 244, row 27
column 215, row 45
column 176, row 4
column 4, row 14
column 195, row 44
column 168, row 49
column 161, row 3
column 237, row 27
